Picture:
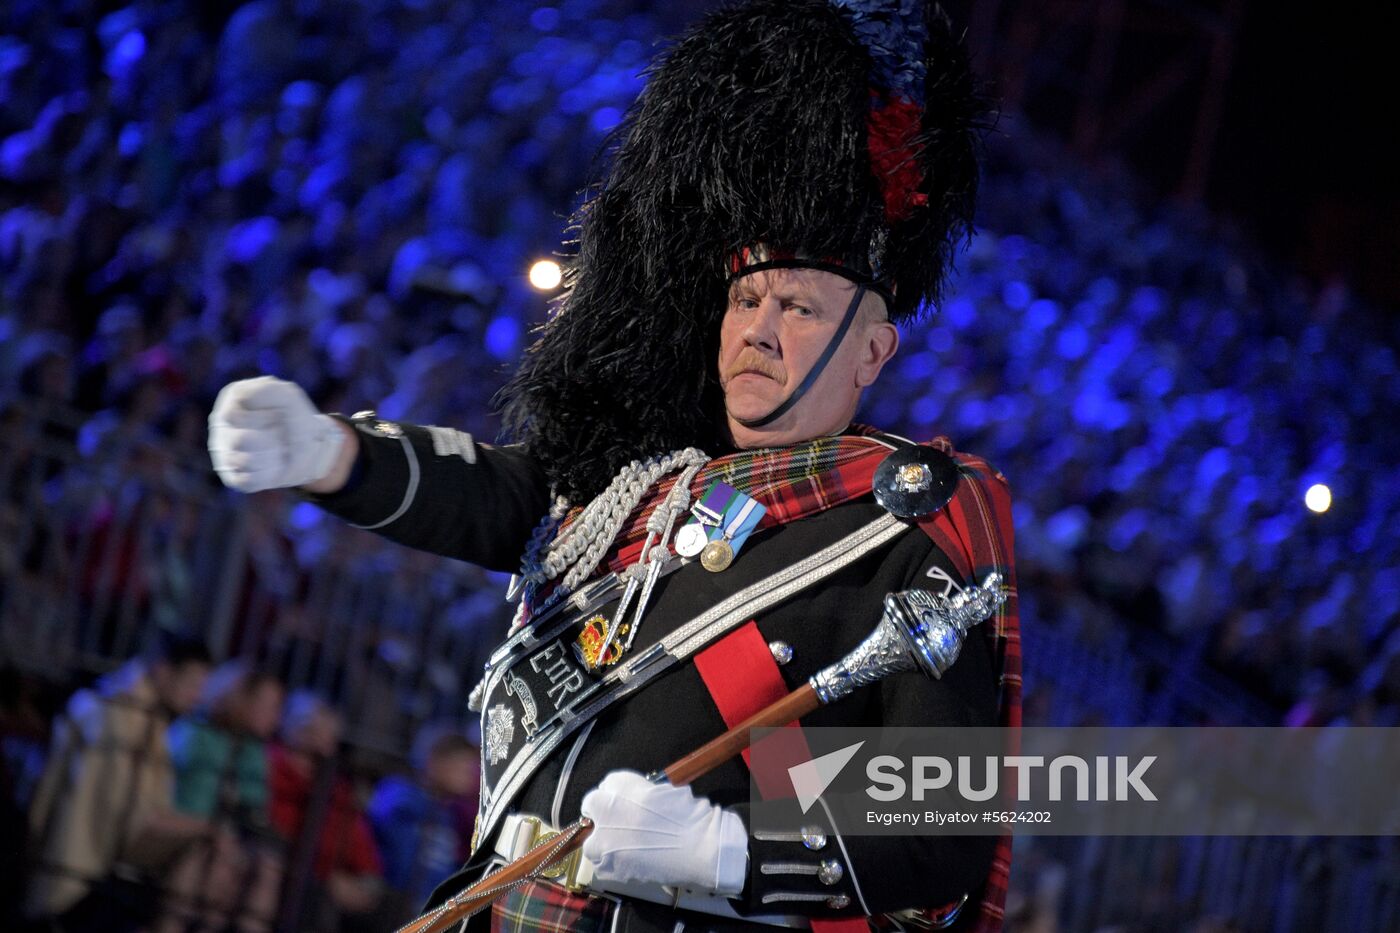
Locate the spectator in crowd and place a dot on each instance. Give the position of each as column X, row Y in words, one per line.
column 316, row 810
column 220, row 752
column 221, row 775
column 105, row 805
column 415, row 818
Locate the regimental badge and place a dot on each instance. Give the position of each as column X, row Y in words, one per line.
column 500, row 729
column 590, row 641
column 915, row 481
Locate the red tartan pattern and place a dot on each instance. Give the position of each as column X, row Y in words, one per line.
column 790, row 482
column 977, row 535
column 542, row 907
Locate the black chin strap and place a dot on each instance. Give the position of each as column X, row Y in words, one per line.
column 816, row 370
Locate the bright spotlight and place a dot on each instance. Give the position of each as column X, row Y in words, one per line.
column 546, row 275
column 1318, row 498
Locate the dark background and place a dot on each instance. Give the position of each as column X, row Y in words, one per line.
column 1298, row 143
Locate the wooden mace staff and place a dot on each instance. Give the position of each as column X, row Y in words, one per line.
column 917, row 631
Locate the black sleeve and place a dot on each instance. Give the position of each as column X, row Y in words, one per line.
column 436, row 489
column 823, row 872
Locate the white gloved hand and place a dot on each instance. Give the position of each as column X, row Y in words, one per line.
column 663, row 834
column 265, row 433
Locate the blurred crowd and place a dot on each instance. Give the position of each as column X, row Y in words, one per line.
column 176, row 797
column 1161, row 398
column 348, row 195
column 195, row 192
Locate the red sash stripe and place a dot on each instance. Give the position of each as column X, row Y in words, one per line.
column 742, row 678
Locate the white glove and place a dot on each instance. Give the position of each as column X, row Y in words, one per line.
column 265, row 433
column 663, row 834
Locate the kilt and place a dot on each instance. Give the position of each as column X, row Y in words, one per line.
column 544, row 907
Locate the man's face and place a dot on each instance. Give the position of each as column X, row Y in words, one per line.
column 776, row 326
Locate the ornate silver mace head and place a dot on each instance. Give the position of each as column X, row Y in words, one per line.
column 918, row 631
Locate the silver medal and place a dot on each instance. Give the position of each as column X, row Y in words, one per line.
column 691, row 539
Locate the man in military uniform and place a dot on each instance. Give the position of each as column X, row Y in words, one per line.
column 692, row 500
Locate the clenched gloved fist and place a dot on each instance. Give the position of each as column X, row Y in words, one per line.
column 663, row 834
column 265, row 433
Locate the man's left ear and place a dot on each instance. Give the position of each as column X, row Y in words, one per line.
column 881, row 342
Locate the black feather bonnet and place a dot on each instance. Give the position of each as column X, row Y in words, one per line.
column 847, row 131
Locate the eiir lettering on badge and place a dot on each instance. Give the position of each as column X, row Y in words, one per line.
column 563, row 676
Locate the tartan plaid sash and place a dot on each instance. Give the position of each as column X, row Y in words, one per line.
column 976, row 533
column 791, row 482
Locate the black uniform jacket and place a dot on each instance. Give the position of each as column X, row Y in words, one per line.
column 435, row 489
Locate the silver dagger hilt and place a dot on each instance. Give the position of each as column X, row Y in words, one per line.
column 918, row 631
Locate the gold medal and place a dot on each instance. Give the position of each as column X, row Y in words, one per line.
column 717, row 555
